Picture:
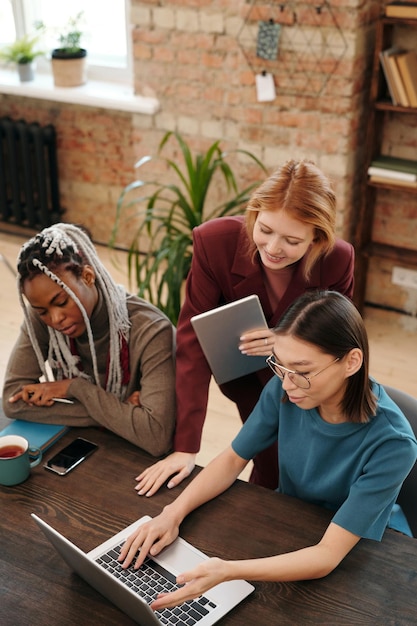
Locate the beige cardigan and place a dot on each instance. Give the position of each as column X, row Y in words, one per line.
column 152, row 369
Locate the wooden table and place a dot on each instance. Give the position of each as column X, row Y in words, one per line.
column 375, row 585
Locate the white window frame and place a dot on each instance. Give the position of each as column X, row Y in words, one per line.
column 24, row 12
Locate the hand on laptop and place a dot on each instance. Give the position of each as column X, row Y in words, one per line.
column 196, row 582
column 149, row 538
column 178, row 465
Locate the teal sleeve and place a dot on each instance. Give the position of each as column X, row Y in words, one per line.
column 367, row 510
column 261, row 428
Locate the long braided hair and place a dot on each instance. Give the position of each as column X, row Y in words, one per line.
column 69, row 247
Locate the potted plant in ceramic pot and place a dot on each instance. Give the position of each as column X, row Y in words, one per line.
column 23, row 52
column 69, row 59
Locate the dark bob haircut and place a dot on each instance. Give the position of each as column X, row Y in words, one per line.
column 330, row 321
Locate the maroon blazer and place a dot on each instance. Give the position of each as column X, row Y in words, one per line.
column 221, row 272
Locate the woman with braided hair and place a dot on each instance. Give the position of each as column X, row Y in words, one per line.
column 110, row 353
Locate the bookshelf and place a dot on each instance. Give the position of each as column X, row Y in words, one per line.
column 381, row 110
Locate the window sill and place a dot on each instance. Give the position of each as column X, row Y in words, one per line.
column 94, row 93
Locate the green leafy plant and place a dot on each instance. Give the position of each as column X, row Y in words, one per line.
column 23, row 50
column 167, row 215
column 68, row 36
column 70, row 39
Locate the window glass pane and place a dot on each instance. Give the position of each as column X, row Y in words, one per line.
column 7, row 27
column 103, row 27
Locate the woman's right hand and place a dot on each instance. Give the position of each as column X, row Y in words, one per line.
column 149, row 538
column 42, row 394
column 179, row 465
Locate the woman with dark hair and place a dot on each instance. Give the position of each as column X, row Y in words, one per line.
column 110, row 354
column 342, row 444
column 283, row 246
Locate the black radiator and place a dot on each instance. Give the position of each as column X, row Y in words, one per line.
column 29, row 191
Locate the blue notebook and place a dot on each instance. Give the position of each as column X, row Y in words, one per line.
column 39, row 435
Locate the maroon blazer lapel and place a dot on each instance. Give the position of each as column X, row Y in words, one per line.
column 247, row 277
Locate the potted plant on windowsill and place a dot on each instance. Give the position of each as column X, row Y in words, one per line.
column 69, row 59
column 23, row 52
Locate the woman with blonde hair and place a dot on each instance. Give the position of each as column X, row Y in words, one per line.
column 283, row 246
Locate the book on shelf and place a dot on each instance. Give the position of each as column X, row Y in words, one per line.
column 391, row 59
column 386, row 161
column 392, row 181
column 39, row 435
column 389, row 78
column 392, row 174
column 407, row 65
column 401, row 9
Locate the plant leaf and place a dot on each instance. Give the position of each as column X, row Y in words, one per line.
column 169, row 210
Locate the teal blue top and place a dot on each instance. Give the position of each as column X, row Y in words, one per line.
column 354, row 469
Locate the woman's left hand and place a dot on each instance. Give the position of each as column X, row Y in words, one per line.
column 134, row 398
column 196, row 582
column 257, row 342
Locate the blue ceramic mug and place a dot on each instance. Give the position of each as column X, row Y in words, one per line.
column 15, row 464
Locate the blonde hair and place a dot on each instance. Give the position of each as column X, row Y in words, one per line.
column 68, row 246
column 302, row 190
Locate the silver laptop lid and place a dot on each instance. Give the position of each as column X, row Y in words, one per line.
column 177, row 557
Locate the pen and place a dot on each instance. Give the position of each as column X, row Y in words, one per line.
column 63, row 400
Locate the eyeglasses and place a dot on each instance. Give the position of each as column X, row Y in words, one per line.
column 300, row 380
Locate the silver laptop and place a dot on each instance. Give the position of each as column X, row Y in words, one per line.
column 133, row 590
column 219, row 331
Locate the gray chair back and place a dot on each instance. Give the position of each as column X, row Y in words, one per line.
column 407, row 497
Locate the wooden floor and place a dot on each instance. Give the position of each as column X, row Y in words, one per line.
column 393, row 346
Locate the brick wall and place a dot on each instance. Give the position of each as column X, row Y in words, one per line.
column 193, row 55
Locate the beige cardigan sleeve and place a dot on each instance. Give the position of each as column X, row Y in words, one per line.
column 151, row 356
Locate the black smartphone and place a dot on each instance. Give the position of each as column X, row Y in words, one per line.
column 69, row 457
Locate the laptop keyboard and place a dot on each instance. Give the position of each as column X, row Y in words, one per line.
column 150, row 580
